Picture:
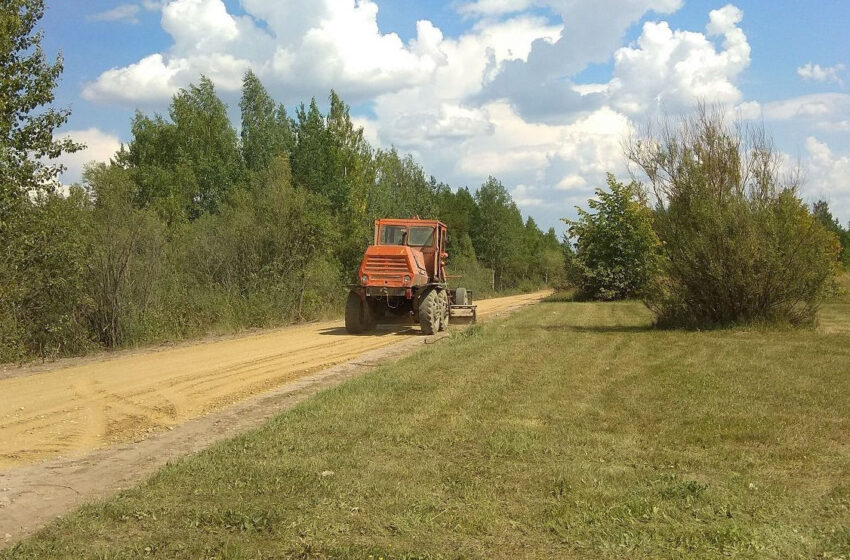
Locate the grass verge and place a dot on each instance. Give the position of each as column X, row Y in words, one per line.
column 567, row 430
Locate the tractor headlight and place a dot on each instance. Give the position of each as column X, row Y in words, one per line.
column 407, row 279
column 364, row 279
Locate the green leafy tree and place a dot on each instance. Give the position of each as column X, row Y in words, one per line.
column 266, row 130
column 552, row 266
column 312, row 165
column 549, row 259
column 616, row 253
column 459, row 212
column 498, row 231
column 405, row 185
column 162, row 181
column 207, row 143
column 36, row 278
column 246, row 253
column 51, row 303
column 189, row 166
column 348, row 156
column 27, row 121
column 356, row 198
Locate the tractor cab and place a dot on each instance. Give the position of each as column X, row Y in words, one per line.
column 421, row 240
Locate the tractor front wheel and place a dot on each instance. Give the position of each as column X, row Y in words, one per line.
column 358, row 315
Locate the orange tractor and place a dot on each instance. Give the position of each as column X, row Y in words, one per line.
column 403, row 274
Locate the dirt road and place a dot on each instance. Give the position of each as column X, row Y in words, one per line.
column 69, row 410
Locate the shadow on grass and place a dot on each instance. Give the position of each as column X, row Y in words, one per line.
column 572, row 296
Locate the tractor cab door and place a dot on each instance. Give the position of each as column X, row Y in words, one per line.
column 425, row 239
column 434, row 253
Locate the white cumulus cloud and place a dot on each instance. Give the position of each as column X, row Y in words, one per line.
column 540, row 86
column 675, row 69
column 824, row 74
column 298, row 48
column 524, row 196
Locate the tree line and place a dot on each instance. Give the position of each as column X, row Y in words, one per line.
column 193, row 227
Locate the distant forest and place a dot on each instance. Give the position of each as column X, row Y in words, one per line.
column 194, row 228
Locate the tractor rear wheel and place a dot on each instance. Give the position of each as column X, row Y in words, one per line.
column 430, row 312
column 358, row 315
column 461, row 296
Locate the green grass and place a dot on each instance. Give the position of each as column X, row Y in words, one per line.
column 568, row 430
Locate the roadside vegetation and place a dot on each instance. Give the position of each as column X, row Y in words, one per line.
column 617, row 253
column 195, row 228
column 718, row 237
column 567, row 430
column 738, row 243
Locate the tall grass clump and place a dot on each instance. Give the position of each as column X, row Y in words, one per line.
column 739, row 244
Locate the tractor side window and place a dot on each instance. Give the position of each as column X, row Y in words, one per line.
column 393, row 235
column 421, row 237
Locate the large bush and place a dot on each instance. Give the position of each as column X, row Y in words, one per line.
column 739, row 245
column 124, row 260
column 616, row 253
column 43, row 298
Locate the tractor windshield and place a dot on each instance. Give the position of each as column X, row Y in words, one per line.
column 393, row 235
column 416, row 236
column 421, row 237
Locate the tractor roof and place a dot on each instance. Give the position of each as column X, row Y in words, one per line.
column 408, row 222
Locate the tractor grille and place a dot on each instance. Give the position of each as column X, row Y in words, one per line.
column 386, row 266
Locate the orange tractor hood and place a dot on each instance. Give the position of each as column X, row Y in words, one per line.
column 392, row 266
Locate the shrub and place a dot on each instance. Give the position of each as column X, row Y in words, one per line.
column 738, row 243
column 43, row 297
column 124, row 262
column 616, row 252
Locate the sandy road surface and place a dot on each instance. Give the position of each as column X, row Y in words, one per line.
column 74, row 409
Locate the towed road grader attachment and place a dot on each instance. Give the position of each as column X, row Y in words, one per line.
column 403, row 275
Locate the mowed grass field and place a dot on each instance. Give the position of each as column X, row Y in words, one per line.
column 569, row 430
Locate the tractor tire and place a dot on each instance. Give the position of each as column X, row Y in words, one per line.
column 444, row 306
column 430, row 312
column 370, row 319
column 461, row 297
column 358, row 316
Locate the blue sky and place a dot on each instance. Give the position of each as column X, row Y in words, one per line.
column 540, row 93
